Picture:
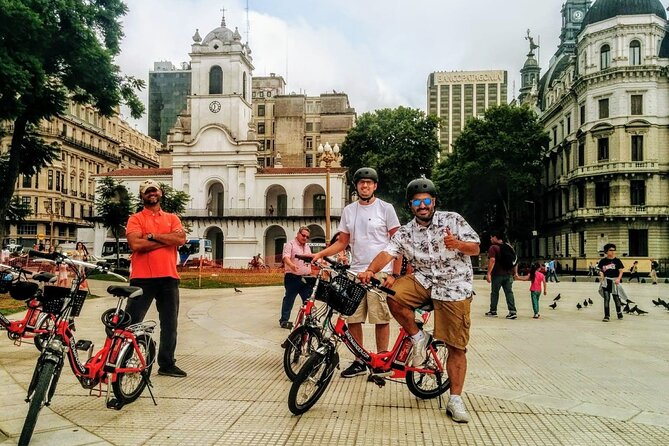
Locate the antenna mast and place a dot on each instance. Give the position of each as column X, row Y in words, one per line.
column 248, row 24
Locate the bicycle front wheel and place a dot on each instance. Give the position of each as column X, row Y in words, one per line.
column 45, row 377
column 129, row 386
column 430, row 385
column 300, row 345
column 309, row 385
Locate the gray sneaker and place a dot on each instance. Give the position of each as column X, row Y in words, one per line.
column 419, row 351
column 456, row 409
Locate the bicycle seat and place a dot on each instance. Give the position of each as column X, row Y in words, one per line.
column 130, row 292
column 43, row 276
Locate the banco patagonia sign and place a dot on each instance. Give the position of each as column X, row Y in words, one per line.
column 468, row 76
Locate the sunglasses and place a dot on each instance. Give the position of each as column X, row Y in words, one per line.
column 612, row 250
column 305, row 236
column 426, row 201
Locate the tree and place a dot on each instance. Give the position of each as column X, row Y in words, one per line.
column 113, row 205
column 17, row 212
column 401, row 144
column 50, row 53
column 495, row 166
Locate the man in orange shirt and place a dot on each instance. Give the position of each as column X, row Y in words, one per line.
column 154, row 235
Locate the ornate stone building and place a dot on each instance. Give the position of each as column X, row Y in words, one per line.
column 62, row 195
column 604, row 100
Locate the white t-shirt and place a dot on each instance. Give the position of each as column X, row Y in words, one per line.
column 368, row 227
column 4, row 256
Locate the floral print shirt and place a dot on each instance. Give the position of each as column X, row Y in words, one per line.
column 448, row 272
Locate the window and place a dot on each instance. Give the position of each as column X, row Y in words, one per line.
column 568, row 124
column 602, row 194
column 635, row 52
column 57, row 181
column 72, row 210
column 605, row 57
column 638, row 193
column 581, row 195
column 261, row 128
column 638, row 242
column 637, row 147
column 309, row 127
column 215, row 80
column 309, row 144
column 603, row 149
column 27, row 229
column 244, row 85
column 554, row 136
column 261, row 110
column 581, row 113
column 81, row 211
column 309, row 160
column 27, row 181
column 269, row 94
column 49, row 180
column 636, row 102
column 603, row 108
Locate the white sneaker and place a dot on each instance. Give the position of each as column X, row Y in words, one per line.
column 419, row 350
column 456, row 409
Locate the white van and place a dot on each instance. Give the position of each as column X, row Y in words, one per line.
column 109, row 252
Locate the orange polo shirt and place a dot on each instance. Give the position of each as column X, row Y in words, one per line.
column 161, row 262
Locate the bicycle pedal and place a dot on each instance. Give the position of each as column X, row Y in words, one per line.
column 114, row 404
column 83, row 345
column 376, row 379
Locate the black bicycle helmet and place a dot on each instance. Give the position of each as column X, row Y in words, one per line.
column 365, row 173
column 420, row 185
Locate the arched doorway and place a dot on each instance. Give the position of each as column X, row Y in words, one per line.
column 216, row 200
column 275, row 238
column 314, row 200
column 277, row 198
column 215, row 234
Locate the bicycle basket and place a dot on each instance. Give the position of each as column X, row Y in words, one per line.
column 344, row 295
column 20, row 290
column 322, row 290
column 54, row 297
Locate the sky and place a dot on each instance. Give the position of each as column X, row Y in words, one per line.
column 379, row 52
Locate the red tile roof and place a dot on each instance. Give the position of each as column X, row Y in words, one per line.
column 151, row 172
column 297, row 170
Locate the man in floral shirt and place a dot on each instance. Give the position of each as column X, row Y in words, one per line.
column 438, row 244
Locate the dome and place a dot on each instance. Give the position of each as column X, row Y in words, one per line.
column 607, row 9
column 221, row 33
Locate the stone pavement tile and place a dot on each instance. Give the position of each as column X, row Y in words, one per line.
column 72, row 436
column 600, row 410
column 190, row 438
column 548, row 401
column 210, row 415
column 122, row 435
column 655, row 419
column 334, row 427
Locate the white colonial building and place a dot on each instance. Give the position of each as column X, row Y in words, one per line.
column 212, row 154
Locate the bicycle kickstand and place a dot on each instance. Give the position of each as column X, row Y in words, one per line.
column 149, row 384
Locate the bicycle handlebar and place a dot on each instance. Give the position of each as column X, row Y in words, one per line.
column 60, row 258
column 17, row 269
column 377, row 283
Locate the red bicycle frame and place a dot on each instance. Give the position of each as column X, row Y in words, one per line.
column 29, row 326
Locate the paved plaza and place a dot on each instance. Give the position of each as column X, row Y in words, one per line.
column 564, row 379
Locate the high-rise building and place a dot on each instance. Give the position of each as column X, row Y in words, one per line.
column 455, row 96
column 168, row 88
column 604, row 101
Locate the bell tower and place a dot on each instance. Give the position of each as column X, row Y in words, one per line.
column 573, row 12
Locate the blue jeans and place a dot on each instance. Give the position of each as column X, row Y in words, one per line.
column 165, row 290
column 294, row 286
column 506, row 282
column 535, row 300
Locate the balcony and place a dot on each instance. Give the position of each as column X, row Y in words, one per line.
column 614, row 168
column 260, row 212
column 618, row 212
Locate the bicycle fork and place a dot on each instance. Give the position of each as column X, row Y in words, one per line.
column 44, row 358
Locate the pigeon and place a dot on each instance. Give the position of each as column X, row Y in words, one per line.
column 237, row 290
column 585, row 303
column 589, row 301
column 639, row 310
column 553, row 305
column 655, row 302
column 556, row 298
column 626, row 308
column 663, row 303
column 630, row 301
column 579, row 306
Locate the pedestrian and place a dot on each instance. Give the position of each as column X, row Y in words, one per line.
column 634, row 272
column 154, row 236
column 271, row 210
column 439, row 245
column 591, row 269
column 4, row 255
column 551, row 268
column 81, row 253
column 501, row 270
column 611, row 272
column 654, row 266
column 537, row 282
column 296, row 271
column 366, row 226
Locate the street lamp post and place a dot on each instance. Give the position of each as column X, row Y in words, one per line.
column 328, row 155
column 51, row 212
column 534, row 224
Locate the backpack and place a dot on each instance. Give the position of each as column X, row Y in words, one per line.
column 507, row 256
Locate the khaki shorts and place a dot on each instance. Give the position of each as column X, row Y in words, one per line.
column 452, row 319
column 374, row 306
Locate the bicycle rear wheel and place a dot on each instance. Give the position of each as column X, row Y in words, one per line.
column 309, row 385
column 430, row 385
column 45, row 377
column 129, row 386
column 300, row 345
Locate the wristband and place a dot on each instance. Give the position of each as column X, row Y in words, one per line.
column 395, row 276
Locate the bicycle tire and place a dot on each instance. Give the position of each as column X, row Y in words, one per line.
column 315, row 375
column 425, row 385
column 45, row 377
column 300, row 346
column 129, row 386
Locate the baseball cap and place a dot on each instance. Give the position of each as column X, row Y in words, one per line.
column 147, row 184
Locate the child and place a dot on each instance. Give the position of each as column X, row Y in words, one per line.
column 536, row 279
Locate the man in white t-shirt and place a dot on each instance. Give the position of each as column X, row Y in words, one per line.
column 4, row 254
column 366, row 226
